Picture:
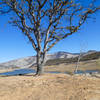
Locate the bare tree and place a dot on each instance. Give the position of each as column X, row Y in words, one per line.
column 46, row 22
column 83, row 48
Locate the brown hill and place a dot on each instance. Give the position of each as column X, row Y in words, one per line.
column 85, row 57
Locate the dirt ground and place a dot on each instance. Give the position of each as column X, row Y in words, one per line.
column 50, row 87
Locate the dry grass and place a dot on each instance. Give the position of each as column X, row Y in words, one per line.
column 52, row 86
column 5, row 70
column 86, row 65
column 49, row 87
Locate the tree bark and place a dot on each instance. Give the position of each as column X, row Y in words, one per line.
column 40, row 63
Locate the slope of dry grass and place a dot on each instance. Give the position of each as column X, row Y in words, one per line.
column 50, row 87
column 86, row 65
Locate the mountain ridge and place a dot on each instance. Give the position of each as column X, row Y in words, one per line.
column 27, row 62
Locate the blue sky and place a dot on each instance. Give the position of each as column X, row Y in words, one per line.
column 14, row 45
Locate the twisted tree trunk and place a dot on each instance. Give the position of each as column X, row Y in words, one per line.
column 40, row 63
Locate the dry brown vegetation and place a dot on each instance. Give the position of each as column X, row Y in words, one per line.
column 85, row 65
column 50, row 87
column 53, row 86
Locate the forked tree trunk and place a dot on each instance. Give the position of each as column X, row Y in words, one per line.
column 40, row 63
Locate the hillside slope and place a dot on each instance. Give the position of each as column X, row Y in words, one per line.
column 52, row 59
column 31, row 61
column 85, row 57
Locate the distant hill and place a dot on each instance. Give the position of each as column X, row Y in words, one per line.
column 52, row 59
column 19, row 63
column 85, row 57
column 31, row 61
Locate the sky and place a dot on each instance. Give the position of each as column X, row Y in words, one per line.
column 14, row 45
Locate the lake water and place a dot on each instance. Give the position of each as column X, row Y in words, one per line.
column 28, row 71
column 87, row 71
column 19, row 72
